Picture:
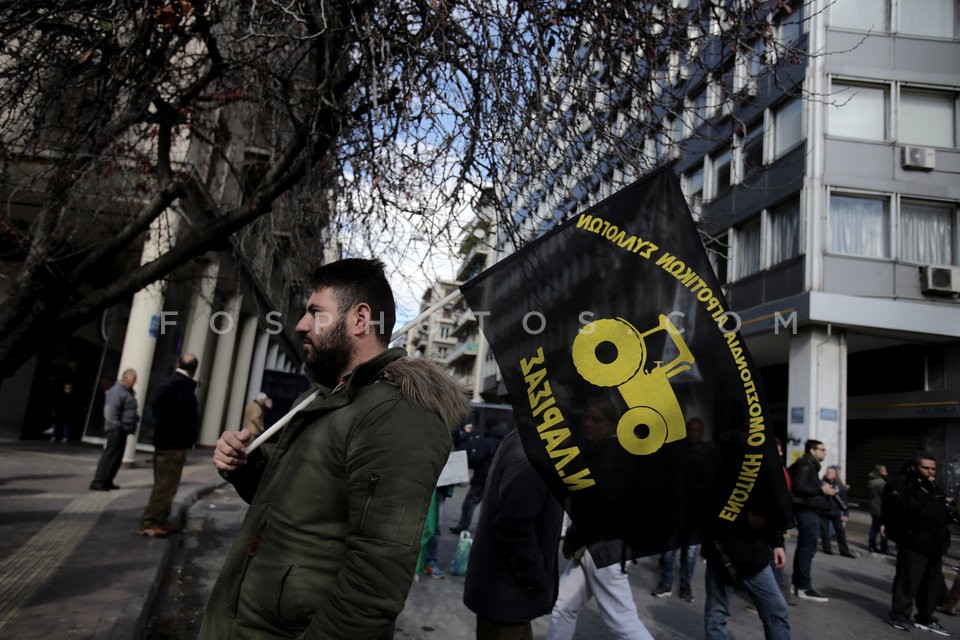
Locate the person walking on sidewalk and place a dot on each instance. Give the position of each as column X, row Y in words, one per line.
column 877, row 538
column 916, row 516
column 739, row 553
column 597, row 570
column 811, row 501
column 837, row 517
column 698, row 457
column 178, row 423
column 120, row 419
column 480, row 452
column 512, row 575
column 330, row 541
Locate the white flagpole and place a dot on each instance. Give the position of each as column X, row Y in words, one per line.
column 444, row 301
column 282, row 422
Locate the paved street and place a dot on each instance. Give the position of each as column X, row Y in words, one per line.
column 859, row 592
column 72, row 566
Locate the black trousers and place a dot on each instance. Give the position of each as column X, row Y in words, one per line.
column 918, row 578
column 111, row 458
column 837, row 521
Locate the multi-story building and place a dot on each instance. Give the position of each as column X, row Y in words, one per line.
column 452, row 333
column 433, row 336
column 472, row 361
column 821, row 162
column 234, row 308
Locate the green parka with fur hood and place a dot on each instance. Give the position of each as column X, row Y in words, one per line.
column 331, row 538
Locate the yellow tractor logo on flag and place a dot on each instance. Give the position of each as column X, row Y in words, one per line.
column 650, row 399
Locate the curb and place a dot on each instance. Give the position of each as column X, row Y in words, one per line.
column 140, row 626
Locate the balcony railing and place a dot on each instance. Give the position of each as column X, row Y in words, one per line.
column 463, row 350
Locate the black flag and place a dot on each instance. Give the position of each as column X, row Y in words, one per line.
column 612, row 334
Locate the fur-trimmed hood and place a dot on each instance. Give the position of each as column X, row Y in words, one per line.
column 426, row 383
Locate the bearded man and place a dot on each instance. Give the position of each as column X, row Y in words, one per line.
column 330, row 541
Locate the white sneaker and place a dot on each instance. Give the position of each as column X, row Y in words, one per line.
column 810, row 594
column 932, row 626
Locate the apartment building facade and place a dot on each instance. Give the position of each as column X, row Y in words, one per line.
column 823, row 174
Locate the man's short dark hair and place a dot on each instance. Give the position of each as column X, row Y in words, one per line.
column 918, row 456
column 355, row 281
column 811, row 444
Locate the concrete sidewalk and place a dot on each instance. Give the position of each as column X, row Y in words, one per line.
column 71, row 562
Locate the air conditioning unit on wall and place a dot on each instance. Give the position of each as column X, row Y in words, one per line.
column 940, row 279
column 919, row 158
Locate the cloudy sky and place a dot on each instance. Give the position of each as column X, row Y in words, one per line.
column 416, row 252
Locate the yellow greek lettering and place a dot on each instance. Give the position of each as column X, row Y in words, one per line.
column 551, row 418
column 526, row 364
column 554, row 437
column 579, row 480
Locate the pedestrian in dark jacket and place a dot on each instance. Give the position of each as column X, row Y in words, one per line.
column 121, row 417
column 512, row 576
column 916, row 515
column 480, row 452
column 838, row 515
column 177, row 425
column 811, row 501
column 877, row 538
column 739, row 554
column 337, row 509
column 65, row 414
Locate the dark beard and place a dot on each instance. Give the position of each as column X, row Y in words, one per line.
column 329, row 355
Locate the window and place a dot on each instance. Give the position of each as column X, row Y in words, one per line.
column 927, row 118
column 787, row 127
column 927, row 232
column 698, row 108
column 862, row 15
column 858, row 111
column 791, row 23
column 758, row 59
column 663, row 141
column 747, row 257
column 694, row 189
column 934, row 18
column 714, row 96
column 717, row 254
column 752, row 151
column 722, row 172
column 650, row 149
column 784, row 231
column 859, row 225
column 673, row 66
column 678, row 131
